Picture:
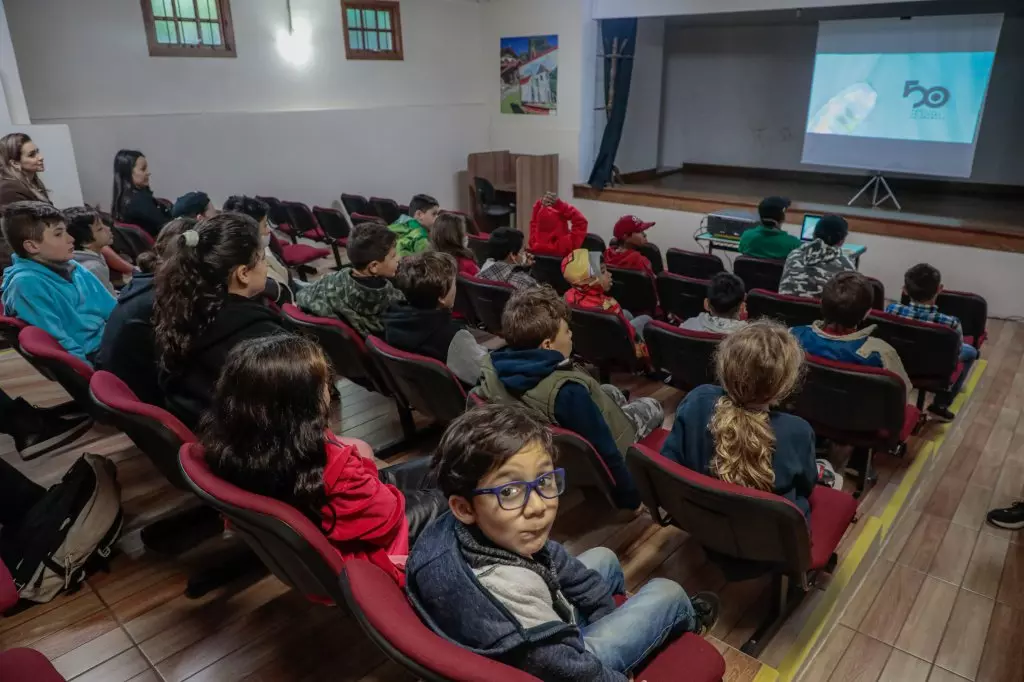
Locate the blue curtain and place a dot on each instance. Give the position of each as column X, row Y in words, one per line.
column 625, row 31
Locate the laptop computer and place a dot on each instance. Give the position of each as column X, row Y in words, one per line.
column 807, row 230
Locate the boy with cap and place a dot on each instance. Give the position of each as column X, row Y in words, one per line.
column 194, row 205
column 590, row 283
column 814, row 263
column 769, row 240
column 630, row 235
column 508, row 263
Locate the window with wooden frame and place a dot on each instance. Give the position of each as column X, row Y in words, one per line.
column 373, row 30
column 189, row 28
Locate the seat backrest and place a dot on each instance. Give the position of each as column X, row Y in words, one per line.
column 301, row 218
column 488, row 300
column 278, row 212
column 343, row 346
column 828, row 390
column 758, row 273
column 386, row 209
column 730, row 519
column 155, row 431
column 878, row 293
column 593, row 242
column 387, row 617
column 290, row 545
column 688, row 356
column 601, row 338
column 356, row 203
column 548, row 270
column 10, row 327
column 792, row 311
column 56, row 364
column 634, row 290
column 128, row 241
column 930, row 352
column 358, row 218
column 680, row 295
column 693, row 264
column 480, row 246
column 970, row 309
column 653, row 254
column 584, row 468
column 485, row 193
column 424, row 384
column 332, row 222
column 139, row 234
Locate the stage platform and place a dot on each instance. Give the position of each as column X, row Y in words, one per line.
column 965, row 214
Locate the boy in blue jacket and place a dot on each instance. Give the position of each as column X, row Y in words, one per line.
column 486, row 576
column 45, row 287
column 535, row 369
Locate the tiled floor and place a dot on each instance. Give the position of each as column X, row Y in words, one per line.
column 945, row 600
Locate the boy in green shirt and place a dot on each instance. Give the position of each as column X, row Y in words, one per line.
column 413, row 230
column 769, row 240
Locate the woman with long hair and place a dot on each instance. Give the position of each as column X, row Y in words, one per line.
column 21, row 162
column 731, row 431
column 449, row 235
column 279, row 278
column 267, row 432
column 132, row 201
column 207, row 301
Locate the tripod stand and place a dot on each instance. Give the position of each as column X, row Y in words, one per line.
column 875, row 182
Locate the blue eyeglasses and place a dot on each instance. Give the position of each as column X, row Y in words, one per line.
column 516, row 494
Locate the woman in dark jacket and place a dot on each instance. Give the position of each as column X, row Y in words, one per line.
column 207, row 301
column 133, row 201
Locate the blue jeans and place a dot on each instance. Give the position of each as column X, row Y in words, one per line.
column 968, row 354
column 627, row 636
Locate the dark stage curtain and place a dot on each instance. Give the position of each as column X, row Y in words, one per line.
column 625, row 31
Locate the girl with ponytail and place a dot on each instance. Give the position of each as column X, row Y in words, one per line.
column 731, row 432
column 207, row 301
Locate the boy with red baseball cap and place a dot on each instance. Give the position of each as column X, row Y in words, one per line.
column 630, row 235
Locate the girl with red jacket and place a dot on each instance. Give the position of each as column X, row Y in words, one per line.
column 550, row 234
column 267, row 433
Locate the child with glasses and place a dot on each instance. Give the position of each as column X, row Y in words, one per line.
column 486, row 575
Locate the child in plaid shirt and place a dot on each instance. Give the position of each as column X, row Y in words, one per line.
column 922, row 284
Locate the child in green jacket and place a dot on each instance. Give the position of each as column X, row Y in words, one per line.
column 413, row 230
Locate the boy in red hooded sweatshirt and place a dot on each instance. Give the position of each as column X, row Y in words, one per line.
column 630, row 235
column 590, row 284
column 550, row 234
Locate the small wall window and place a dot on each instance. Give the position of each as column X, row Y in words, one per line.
column 373, row 30
column 189, row 28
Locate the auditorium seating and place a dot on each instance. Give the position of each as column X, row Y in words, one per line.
column 354, row 203
column 386, row 209
column 687, row 356
column 383, row 611
column 479, row 245
column 487, row 299
column 299, row 256
column 279, row 216
column 746, row 530
column 358, row 218
column 548, row 270
column 21, row 663
column 635, row 291
column 136, row 234
column 970, row 309
column 792, row 311
column 305, row 225
column 601, row 338
column 583, row 466
column 593, row 242
column 53, row 362
column 421, row 383
column 130, row 241
column 693, row 264
column 335, row 229
column 758, row 273
column 881, row 422
column 930, row 352
column 680, row 295
column 653, row 254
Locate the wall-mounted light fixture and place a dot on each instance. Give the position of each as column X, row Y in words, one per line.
column 295, row 44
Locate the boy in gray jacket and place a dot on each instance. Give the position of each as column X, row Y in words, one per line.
column 90, row 234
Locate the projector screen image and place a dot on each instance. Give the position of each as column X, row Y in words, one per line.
column 893, row 95
column 929, row 97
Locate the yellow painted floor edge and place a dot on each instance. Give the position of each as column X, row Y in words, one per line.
column 873, row 527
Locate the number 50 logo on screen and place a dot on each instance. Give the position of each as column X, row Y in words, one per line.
column 934, row 98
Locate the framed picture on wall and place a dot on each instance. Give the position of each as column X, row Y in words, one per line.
column 529, row 75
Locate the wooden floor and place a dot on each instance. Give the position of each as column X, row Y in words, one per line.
column 940, row 567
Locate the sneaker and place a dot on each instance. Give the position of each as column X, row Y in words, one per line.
column 36, row 433
column 1011, row 518
column 705, row 606
column 940, row 412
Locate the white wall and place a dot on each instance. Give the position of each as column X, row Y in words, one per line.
column 996, row 275
column 258, row 123
column 12, row 99
column 737, row 95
